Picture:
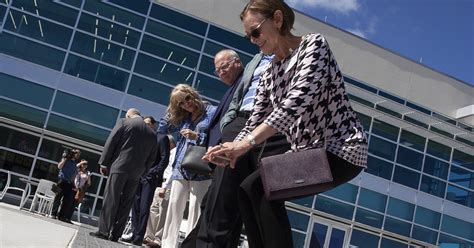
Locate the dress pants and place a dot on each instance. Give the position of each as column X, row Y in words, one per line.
column 156, row 221
column 118, row 199
column 180, row 190
column 141, row 207
column 65, row 199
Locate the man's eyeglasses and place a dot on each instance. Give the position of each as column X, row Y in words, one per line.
column 224, row 66
column 255, row 33
column 185, row 100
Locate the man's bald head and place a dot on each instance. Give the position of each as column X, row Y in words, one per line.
column 132, row 113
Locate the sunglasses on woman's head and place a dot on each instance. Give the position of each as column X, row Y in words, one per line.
column 255, row 33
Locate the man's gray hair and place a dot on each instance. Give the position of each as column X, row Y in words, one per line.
column 230, row 52
column 132, row 113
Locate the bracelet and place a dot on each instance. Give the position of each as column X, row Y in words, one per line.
column 251, row 139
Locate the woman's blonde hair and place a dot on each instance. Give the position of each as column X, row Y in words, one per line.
column 267, row 8
column 178, row 95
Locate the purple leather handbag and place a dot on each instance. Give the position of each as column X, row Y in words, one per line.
column 294, row 175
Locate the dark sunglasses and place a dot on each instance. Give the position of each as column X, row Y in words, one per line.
column 255, row 33
column 186, row 99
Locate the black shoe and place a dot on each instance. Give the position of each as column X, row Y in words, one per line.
column 113, row 239
column 65, row 220
column 138, row 243
column 99, row 235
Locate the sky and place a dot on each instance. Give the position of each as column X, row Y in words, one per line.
column 437, row 33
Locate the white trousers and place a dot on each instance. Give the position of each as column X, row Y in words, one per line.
column 180, row 191
column 156, row 220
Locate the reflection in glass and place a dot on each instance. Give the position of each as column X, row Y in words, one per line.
column 46, row 170
column 108, row 30
column 439, row 150
column 379, row 167
column 16, row 140
column 433, row 186
column 25, row 91
column 369, row 218
column 412, row 140
column 38, row 29
column 460, row 196
column 149, row 90
column 173, row 34
column 84, row 109
column 77, row 130
column 382, row 148
column 436, row 167
column 461, row 177
column 318, row 237
column 115, row 14
column 409, row 158
column 406, row 177
column 96, row 72
column 103, row 50
column 463, row 159
column 162, row 71
column 22, row 113
column 48, row 9
column 31, row 51
column 15, row 162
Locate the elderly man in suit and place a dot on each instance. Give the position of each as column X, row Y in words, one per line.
column 129, row 151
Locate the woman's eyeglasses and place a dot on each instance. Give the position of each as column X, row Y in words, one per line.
column 224, row 66
column 255, row 33
column 186, row 99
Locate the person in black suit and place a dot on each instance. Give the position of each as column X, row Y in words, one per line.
column 129, row 151
column 148, row 183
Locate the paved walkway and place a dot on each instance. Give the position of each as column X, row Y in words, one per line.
column 25, row 229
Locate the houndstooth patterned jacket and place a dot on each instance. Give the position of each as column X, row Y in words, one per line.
column 303, row 96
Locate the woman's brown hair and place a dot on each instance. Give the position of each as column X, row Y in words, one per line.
column 178, row 95
column 267, row 8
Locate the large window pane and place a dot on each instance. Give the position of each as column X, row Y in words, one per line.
column 409, row 158
column 346, row 192
column 424, row 234
column 38, row 29
column 382, row 148
column 114, row 14
column 2, row 14
column 48, row 9
column 298, row 221
column 379, row 167
column 28, row 92
column 365, row 120
column 305, row 201
column 385, row 130
column 232, row 39
column 31, row 51
column 173, row 34
column 427, row 217
column 298, row 239
column 210, row 87
column 178, row 19
column 363, row 239
column 463, row 159
column 150, row 90
column 108, row 30
column 457, row 227
column 334, row 207
column 412, row 140
column 462, row 177
column 433, row 186
column 103, row 50
column 373, row 200
column 207, row 65
column 460, row 196
column 46, row 170
column 369, row 218
column 318, row 236
column 15, row 162
column 22, row 113
column 169, row 51
column 388, row 243
column 140, row 6
column 85, row 110
column 439, row 150
column 400, row 209
column 406, row 177
column 162, row 71
column 77, row 130
column 446, row 241
column 436, row 167
column 18, row 140
column 96, row 72
column 397, row 226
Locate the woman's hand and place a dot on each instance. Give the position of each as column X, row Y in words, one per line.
column 189, row 134
column 230, row 150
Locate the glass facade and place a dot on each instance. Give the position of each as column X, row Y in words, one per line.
column 142, row 50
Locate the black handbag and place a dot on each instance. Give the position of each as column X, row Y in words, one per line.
column 294, row 175
column 192, row 160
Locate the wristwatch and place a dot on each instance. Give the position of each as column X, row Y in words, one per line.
column 251, row 139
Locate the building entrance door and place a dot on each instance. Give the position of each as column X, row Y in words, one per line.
column 325, row 234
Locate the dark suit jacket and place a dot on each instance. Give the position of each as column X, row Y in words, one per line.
column 155, row 174
column 130, row 148
column 215, row 135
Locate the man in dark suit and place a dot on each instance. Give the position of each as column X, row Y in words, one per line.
column 148, row 183
column 129, row 151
